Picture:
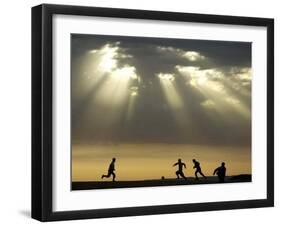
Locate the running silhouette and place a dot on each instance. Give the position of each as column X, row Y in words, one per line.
column 111, row 170
column 179, row 172
column 220, row 171
column 198, row 169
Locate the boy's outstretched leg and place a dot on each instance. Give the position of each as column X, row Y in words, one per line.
column 203, row 175
column 108, row 175
column 182, row 175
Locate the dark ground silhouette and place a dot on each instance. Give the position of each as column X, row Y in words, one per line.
column 87, row 185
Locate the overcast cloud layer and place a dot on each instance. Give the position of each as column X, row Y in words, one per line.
column 135, row 90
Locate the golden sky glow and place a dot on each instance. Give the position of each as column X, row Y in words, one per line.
column 151, row 161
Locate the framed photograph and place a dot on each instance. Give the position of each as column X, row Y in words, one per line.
column 145, row 112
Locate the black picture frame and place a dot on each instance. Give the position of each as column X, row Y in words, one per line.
column 42, row 107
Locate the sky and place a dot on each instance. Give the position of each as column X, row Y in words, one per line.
column 148, row 91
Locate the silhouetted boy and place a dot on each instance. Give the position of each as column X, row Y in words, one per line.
column 220, row 171
column 179, row 172
column 111, row 170
column 198, row 169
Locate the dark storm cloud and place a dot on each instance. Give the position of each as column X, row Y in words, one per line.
column 153, row 120
column 146, row 54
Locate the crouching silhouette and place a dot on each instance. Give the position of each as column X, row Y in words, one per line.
column 220, row 171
